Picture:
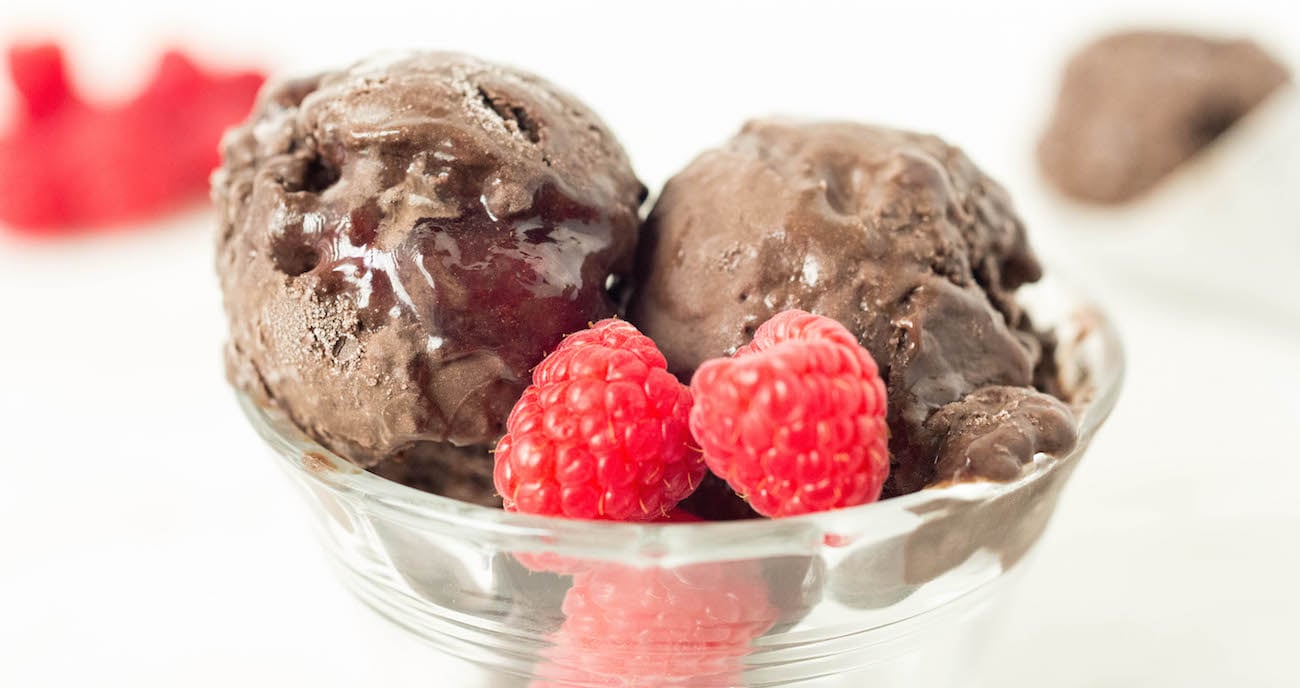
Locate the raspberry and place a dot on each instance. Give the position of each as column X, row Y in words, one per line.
column 67, row 163
column 658, row 628
column 602, row 433
column 795, row 420
column 41, row 79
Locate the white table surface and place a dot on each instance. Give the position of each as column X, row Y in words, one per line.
column 146, row 539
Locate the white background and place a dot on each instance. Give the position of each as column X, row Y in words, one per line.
column 146, row 539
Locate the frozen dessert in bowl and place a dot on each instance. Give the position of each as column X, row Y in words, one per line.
column 407, row 244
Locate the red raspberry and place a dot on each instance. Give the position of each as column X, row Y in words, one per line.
column 41, row 79
column 795, row 420
column 658, row 628
column 69, row 164
column 602, row 433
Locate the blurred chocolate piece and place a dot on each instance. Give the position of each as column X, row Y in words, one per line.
column 1134, row 106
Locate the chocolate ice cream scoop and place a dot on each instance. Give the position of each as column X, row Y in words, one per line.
column 402, row 241
column 896, row 235
column 1134, row 106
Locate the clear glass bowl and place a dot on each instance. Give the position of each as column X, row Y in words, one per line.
column 900, row 592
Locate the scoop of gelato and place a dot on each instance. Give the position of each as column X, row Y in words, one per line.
column 1134, row 106
column 896, row 235
column 400, row 243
